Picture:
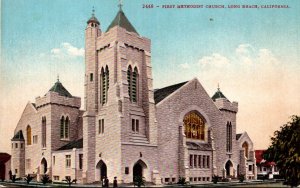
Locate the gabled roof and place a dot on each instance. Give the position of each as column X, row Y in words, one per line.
column 18, row 136
column 218, row 95
column 238, row 136
column 60, row 89
column 73, row 144
column 122, row 21
column 161, row 94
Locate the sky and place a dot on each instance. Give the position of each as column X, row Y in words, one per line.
column 253, row 54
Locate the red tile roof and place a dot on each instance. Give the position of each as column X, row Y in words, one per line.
column 260, row 160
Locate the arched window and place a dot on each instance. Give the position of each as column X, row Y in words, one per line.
column 28, row 133
column 246, row 149
column 228, row 137
column 67, row 123
column 62, row 127
column 134, row 84
column 194, row 126
column 43, row 132
column 129, row 73
column 104, row 84
column 133, row 81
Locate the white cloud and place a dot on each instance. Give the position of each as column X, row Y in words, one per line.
column 215, row 60
column 245, row 53
column 266, row 56
column 244, row 49
column 67, row 50
column 185, row 66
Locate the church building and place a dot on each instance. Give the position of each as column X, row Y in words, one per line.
column 127, row 128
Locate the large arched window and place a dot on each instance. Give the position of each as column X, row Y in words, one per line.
column 246, row 149
column 228, row 137
column 64, row 127
column 132, row 79
column 28, row 133
column 194, row 126
column 104, row 84
column 43, row 132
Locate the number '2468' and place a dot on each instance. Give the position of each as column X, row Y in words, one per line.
column 148, row 6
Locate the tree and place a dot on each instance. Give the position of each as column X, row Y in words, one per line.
column 285, row 151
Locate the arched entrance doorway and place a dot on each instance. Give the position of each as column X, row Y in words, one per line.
column 101, row 170
column 139, row 168
column 43, row 166
column 229, row 168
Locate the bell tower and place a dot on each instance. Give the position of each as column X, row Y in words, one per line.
column 92, row 32
column 119, row 125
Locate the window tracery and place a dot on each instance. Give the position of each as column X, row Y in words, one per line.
column 194, row 126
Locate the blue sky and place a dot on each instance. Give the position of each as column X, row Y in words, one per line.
column 252, row 53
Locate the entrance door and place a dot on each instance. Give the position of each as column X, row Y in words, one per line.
column 138, row 169
column 102, row 170
column 2, row 171
column 44, row 166
column 229, row 169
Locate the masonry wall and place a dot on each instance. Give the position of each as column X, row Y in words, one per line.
column 170, row 113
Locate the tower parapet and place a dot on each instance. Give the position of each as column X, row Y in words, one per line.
column 223, row 103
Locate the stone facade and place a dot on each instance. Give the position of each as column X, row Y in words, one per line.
column 127, row 128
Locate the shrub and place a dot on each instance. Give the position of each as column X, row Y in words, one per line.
column 215, row 179
column 139, row 181
column 241, row 178
column 45, row 179
column 69, row 181
column 181, row 181
column 28, row 178
column 13, row 178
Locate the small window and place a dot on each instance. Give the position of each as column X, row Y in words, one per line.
column 21, row 145
column 195, row 161
column 167, row 180
column 208, row 162
column 80, row 161
column 203, row 162
column 133, row 125
column 203, row 178
column 191, row 161
column 265, row 169
column 68, row 161
column 53, row 160
column 12, row 145
column 16, row 171
column 195, row 179
column 173, row 179
column 191, row 179
column 56, row 178
column 250, row 167
column 126, row 170
column 199, row 178
column 102, row 126
column 137, row 125
column 199, row 161
column 16, row 145
column 91, row 77
column 99, row 126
